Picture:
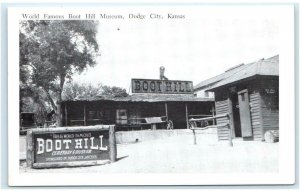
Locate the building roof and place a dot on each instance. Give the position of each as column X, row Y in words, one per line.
column 167, row 97
column 263, row 67
column 211, row 81
column 147, row 98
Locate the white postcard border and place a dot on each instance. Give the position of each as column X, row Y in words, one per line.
column 286, row 173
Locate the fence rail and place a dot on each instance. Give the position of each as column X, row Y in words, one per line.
column 193, row 126
column 210, row 118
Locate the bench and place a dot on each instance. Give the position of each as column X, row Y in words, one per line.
column 153, row 121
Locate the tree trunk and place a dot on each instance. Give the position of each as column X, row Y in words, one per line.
column 59, row 112
column 50, row 99
column 59, row 100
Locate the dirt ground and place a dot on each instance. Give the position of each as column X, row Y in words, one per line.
column 178, row 154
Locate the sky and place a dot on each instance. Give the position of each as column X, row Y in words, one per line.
column 210, row 40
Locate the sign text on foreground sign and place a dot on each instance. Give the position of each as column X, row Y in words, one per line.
column 70, row 146
column 161, row 86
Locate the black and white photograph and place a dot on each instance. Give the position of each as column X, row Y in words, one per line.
column 150, row 92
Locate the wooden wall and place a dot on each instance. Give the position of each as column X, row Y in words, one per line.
column 256, row 119
column 222, row 107
column 270, row 115
column 269, row 104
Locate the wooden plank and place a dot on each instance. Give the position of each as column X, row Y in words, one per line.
column 255, row 117
column 218, row 103
column 194, row 135
column 211, row 126
column 260, row 129
column 66, row 115
column 255, row 105
column 255, row 109
column 256, row 130
column 112, row 144
column 224, row 135
column 256, row 127
column 223, row 131
column 223, row 138
column 231, row 122
column 200, row 115
column 187, row 116
column 166, row 109
column 77, row 120
column 222, row 111
column 222, row 107
column 210, row 118
column 256, row 123
column 222, row 121
column 270, row 121
column 29, row 149
column 72, row 129
column 254, row 98
column 84, row 114
column 244, row 109
column 218, row 112
column 69, row 164
column 254, row 101
column 223, row 104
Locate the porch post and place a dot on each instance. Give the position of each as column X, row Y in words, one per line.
column 187, row 116
column 66, row 115
column 84, row 114
column 230, row 112
column 213, row 114
column 166, row 108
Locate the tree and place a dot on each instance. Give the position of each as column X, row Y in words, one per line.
column 52, row 51
column 34, row 100
column 113, row 91
column 74, row 90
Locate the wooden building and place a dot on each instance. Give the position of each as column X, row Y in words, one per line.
column 130, row 112
column 250, row 94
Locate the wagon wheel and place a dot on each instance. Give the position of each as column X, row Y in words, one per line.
column 192, row 124
column 169, row 125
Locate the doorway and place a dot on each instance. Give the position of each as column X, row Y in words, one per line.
column 245, row 116
column 236, row 115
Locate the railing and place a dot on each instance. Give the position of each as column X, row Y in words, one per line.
column 143, row 121
column 193, row 126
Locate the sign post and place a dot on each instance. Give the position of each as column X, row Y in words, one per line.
column 71, row 146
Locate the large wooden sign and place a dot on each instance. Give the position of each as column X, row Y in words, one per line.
column 70, row 146
column 161, row 86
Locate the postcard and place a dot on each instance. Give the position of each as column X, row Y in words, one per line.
column 151, row 94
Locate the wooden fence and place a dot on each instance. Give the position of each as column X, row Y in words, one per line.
column 193, row 125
